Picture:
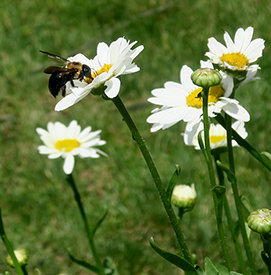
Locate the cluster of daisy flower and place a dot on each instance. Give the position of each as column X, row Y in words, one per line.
column 178, row 101
column 181, row 101
column 109, row 63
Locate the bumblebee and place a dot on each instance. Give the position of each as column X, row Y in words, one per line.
column 61, row 75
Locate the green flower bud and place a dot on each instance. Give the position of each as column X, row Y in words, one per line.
column 21, row 256
column 206, row 77
column 184, row 196
column 240, row 75
column 260, row 221
column 99, row 90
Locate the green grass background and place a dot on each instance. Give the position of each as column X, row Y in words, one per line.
column 37, row 204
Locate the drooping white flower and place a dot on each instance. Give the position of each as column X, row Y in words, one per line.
column 237, row 55
column 67, row 142
column 109, row 63
column 218, row 135
column 250, row 76
column 182, row 101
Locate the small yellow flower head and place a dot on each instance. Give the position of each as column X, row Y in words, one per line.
column 260, row 221
column 184, row 196
column 206, row 77
column 21, row 256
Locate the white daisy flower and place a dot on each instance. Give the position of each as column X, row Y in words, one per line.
column 67, row 142
column 218, row 135
column 109, row 63
column 237, row 55
column 182, row 101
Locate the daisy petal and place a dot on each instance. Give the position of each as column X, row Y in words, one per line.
column 68, row 164
column 113, row 87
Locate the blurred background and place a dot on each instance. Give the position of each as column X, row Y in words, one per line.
column 37, row 204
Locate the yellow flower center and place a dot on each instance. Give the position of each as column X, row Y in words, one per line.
column 235, row 59
column 194, row 99
column 105, row 68
column 67, row 144
column 216, row 139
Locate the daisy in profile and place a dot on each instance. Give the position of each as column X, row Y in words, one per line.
column 218, row 135
column 182, row 101
column 110, row 62
column 237, row 55
column 67, row 142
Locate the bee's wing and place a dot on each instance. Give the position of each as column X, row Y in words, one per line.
column 56, row 57
column 56, row 69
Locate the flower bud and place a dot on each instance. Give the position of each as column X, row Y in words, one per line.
column 206, row 77
column 260, row 221
column 21, row 256
column 240, row 75
column 184, row 196
column 98, row 90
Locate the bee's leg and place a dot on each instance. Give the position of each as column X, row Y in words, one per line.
column 72, row 83
column 63, row 90
column 81, row 77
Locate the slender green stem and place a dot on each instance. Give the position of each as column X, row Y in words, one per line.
column 208, row 158
column 155, row 175
column 77, row 197
column 237, row 199
column 230, row 220
column 9, row 248
column 266, row 239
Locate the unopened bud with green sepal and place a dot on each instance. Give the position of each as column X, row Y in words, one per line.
column 184, row 196
column 206, row 77
column 260, row 221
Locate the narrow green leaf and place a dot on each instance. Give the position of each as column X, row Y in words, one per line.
column 85, row 264
column 201, row 145
column 246, row 204
column 99, row 223
column 231, row 177
column 210, row 269
column 173, row 181
column 174, row 259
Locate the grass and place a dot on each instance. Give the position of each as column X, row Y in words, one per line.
column 37, row 204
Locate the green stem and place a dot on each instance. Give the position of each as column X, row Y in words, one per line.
column 77, row 197
column 9, row 248
column 266, row 239
column 155, row 175
column 237, row 199
column 208, row 158
column 230, row 220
